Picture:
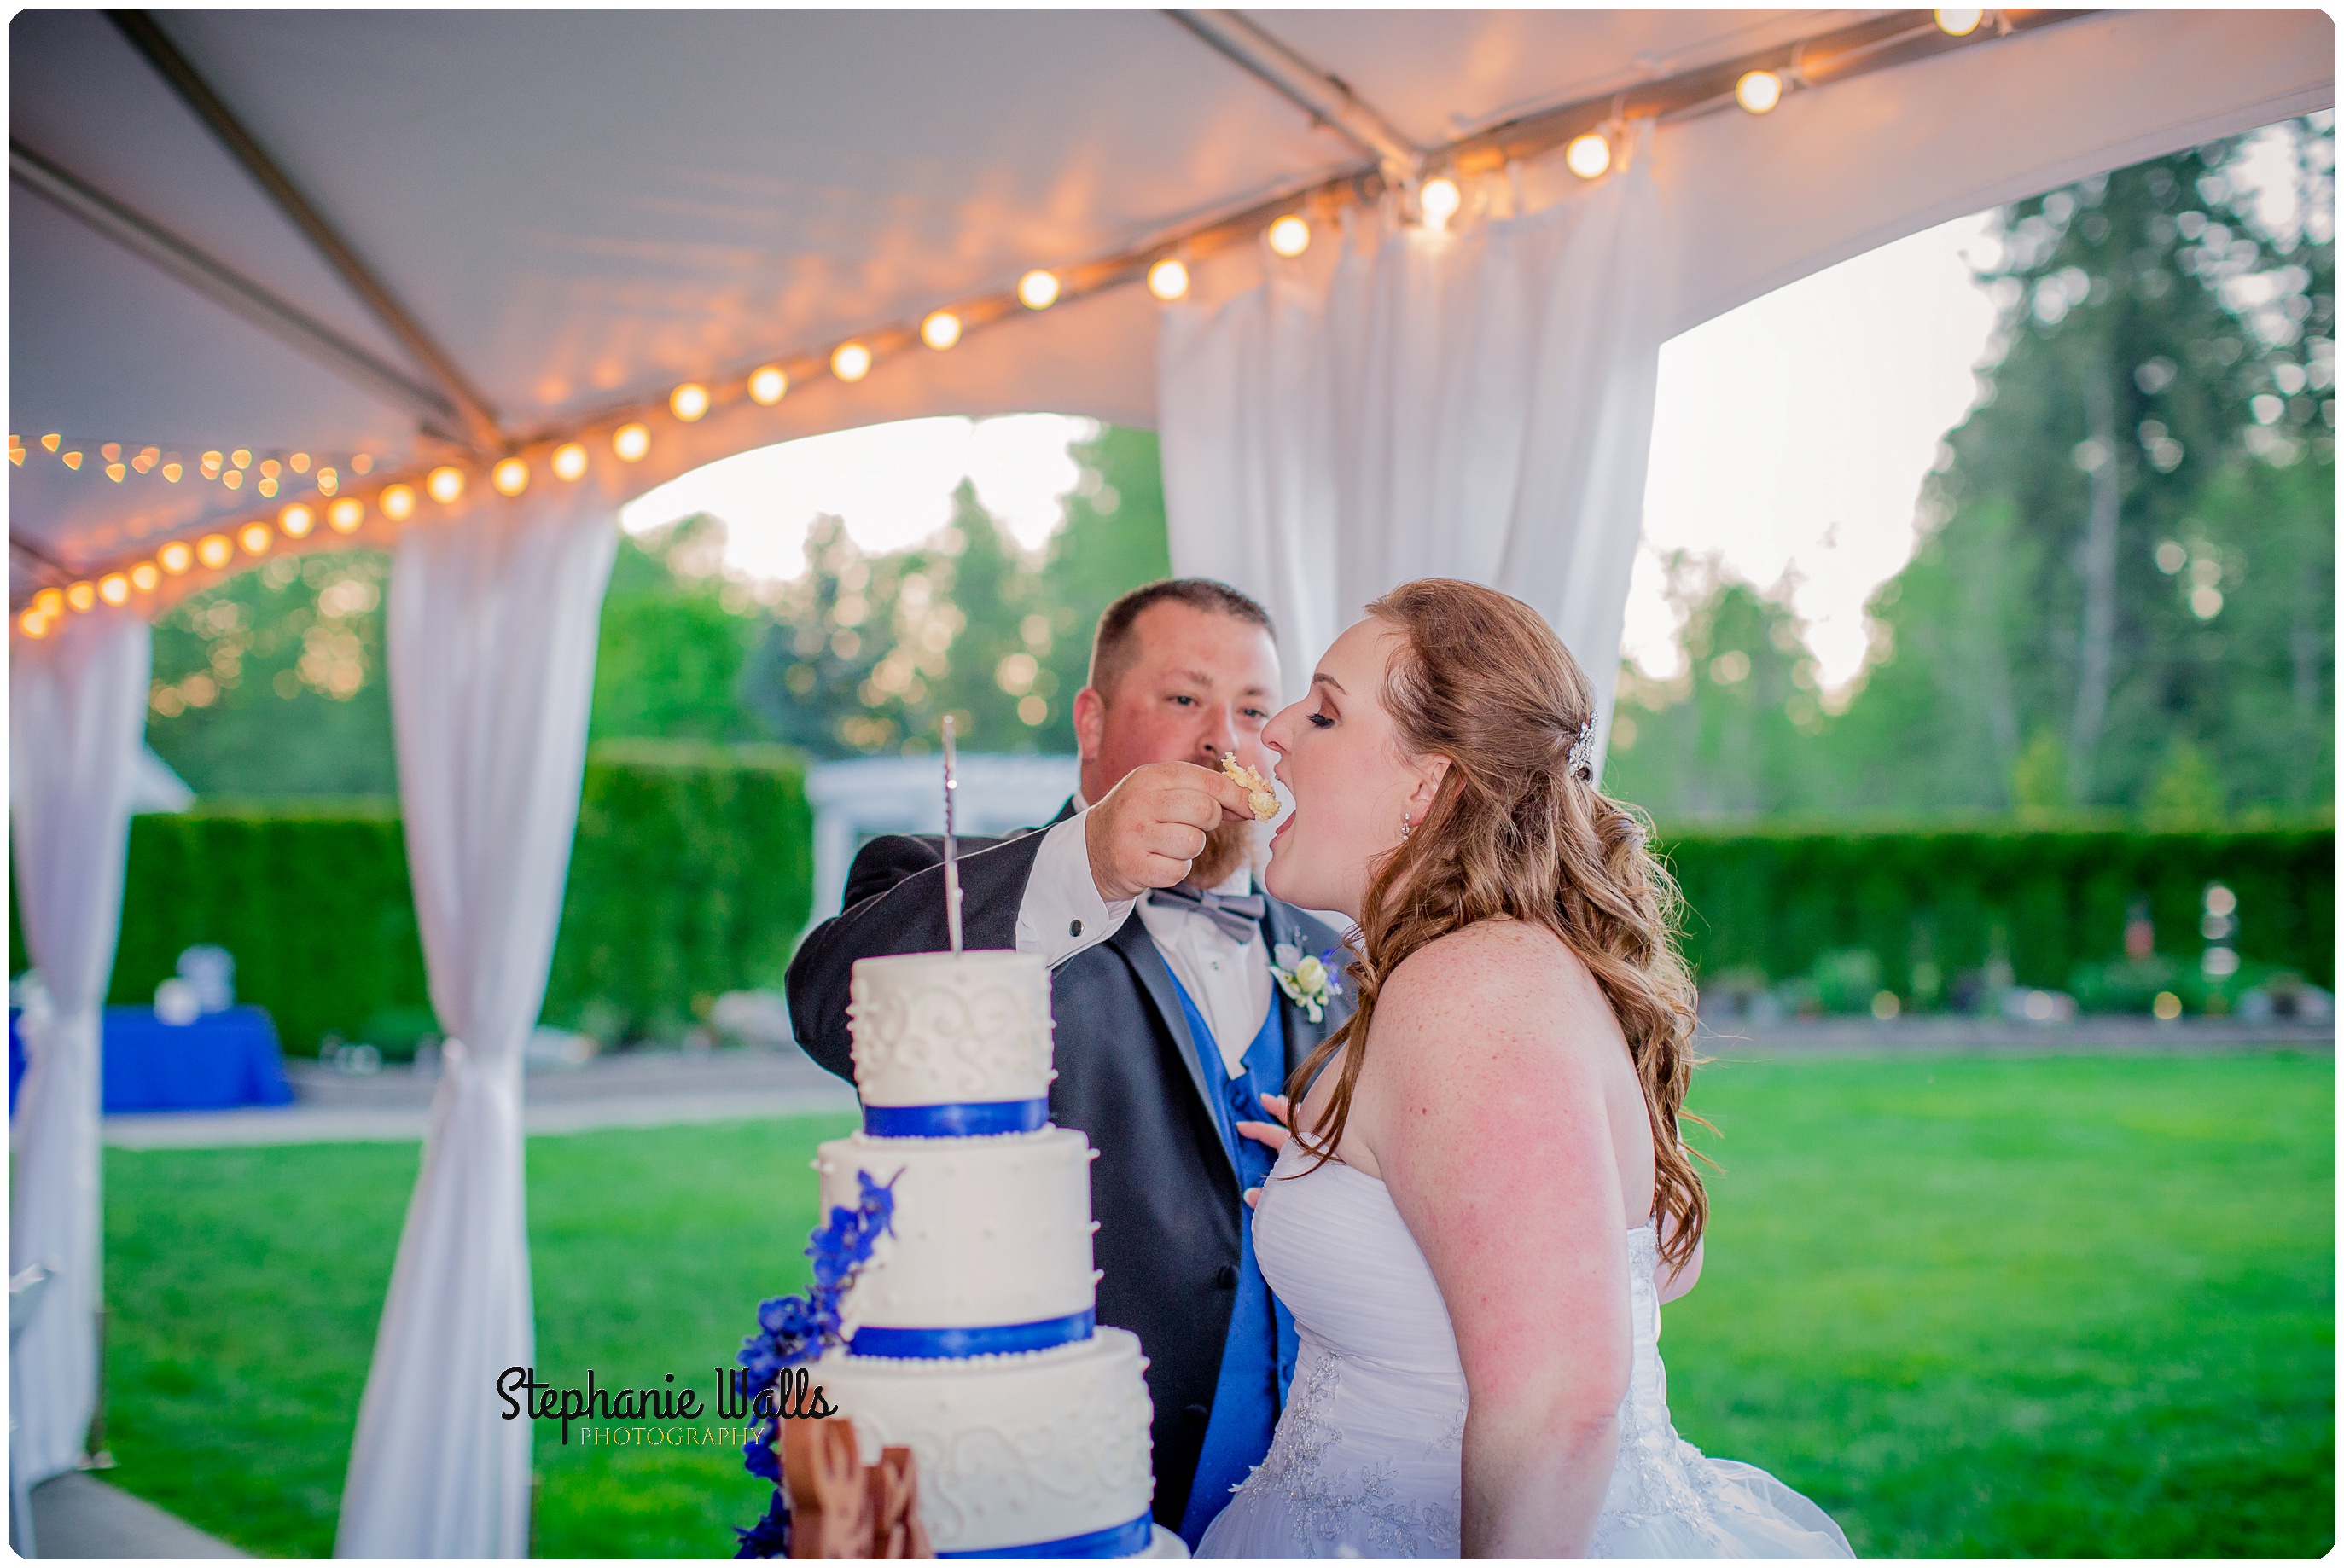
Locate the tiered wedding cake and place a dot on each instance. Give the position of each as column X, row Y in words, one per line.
column 971, row 1334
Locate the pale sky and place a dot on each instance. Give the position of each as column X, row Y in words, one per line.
column 1789, row 444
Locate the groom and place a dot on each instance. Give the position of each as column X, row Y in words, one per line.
column 1170, row 1024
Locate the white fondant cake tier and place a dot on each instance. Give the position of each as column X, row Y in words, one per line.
column 942, row 1028
column 987, row 1230
column 1012, row 1451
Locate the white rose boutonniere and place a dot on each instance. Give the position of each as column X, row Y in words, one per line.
column 1307, row 981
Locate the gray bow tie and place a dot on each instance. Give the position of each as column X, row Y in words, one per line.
column 1238, row 914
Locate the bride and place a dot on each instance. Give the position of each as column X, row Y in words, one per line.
column 1484, row 1201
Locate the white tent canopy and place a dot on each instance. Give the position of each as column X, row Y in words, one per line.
column 583, row 207
column 380, row 241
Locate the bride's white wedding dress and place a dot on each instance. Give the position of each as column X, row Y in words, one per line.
column 1366, row 1458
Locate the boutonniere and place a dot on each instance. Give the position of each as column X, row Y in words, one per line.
column 1307, row 981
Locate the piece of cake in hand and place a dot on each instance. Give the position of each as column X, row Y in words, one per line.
column 1264, row 798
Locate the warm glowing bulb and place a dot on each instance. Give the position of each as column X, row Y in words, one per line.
column 213, row 549
column 73, row 460
column 398, row 502
column 1959, row 22
column 240, row 457
column 298, row 462
column 630, row 442
column 171, row 471
column 114, row 589
column 852, row 362
column 144, row 576
column 35, row 623
column 1290, row 236
column 1168, row 278
column 114, row 471
column 82, row 596
column 445, row 483
column 361, row 464
column 345, row 515
column 1038, row 290
column 175, row 556
column 51, row 441
column 510, row 477
column 766, row 385
column 266, row 487
column 941, row 330
column 1440, row 199
column 688, row 402
column 233, row 478
column 569, row 461
column 297, row 521
column 328, row 481
column 1758, row 91
column 253, row 537
column 271, row 468
column 1588, row 155
column 50, row 602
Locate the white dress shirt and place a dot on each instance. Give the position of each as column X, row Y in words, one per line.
column 1063, row 913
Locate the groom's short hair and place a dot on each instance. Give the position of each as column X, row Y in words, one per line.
column 1115, row 645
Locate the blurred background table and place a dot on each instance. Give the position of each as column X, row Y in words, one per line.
column 221, row 1061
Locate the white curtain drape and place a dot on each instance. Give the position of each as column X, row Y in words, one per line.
column 76, row 719
column 1475, row 403
column 493, row 626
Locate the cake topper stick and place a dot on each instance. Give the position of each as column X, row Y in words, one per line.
column 951, row 859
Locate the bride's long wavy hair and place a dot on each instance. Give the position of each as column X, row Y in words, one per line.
column 1516, row 830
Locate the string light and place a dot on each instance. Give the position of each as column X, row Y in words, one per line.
column 147, row 459
column 35, row 623
column 1758, row 91
column 1038, row 290
column 398, row 502
column 270, row 468
column 510, row 477
column 941, row 330
column 114, row 589
column 298, row 462
column 233, row 478
column 1959, row 24
column 211, row 464
column 629, row 442
column 50, row 602
column 852, row 362
column 295, row 521
column 361, row 464
column 1588, row 156
column 176, row 557
column 214, row 550
column 253, row 537
column 144, row 576
column 328, row 481
column 15, row 451
column 111, row 451
column 1439, row 200
column 73, row 459
column 569, row 461
column 267, row 488
column 767, row 384
column 51, row 441
column 688, row 402
column 114, row 471
column 82, row 596
column 1168, row 278
column 1290, row 236
column 445, row 483
column 171, row 471
column 345, row 515
column 240, row 457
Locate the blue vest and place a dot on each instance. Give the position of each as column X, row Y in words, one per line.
column 1257, row 1364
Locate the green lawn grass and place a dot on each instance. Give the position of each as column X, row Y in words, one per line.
column 2073, row 1306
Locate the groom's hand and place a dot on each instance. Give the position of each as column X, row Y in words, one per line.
column 1152, row 824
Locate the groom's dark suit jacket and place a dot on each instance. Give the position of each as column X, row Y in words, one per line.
column 1162, row 1188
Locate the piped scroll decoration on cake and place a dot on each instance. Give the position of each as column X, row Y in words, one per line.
column 958, row 1034
column 792, row 1329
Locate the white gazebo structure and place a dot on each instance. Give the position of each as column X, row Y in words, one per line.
column 458, row 283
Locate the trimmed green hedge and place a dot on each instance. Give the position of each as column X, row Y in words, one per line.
column 1779, row 899
column 691, row 874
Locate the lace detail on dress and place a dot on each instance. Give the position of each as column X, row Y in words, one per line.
column 1326, row 1507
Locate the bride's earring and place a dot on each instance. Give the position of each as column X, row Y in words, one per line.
column 1406, row 828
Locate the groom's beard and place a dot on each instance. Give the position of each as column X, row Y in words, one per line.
column 1226, row 849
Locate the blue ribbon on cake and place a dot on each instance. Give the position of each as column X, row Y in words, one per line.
column 1115, row 1540
column 952, row 1345
column 967, row 1118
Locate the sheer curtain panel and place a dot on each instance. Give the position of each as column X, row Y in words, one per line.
column 76, row 720
column 1472, row 402
column 492, row 624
